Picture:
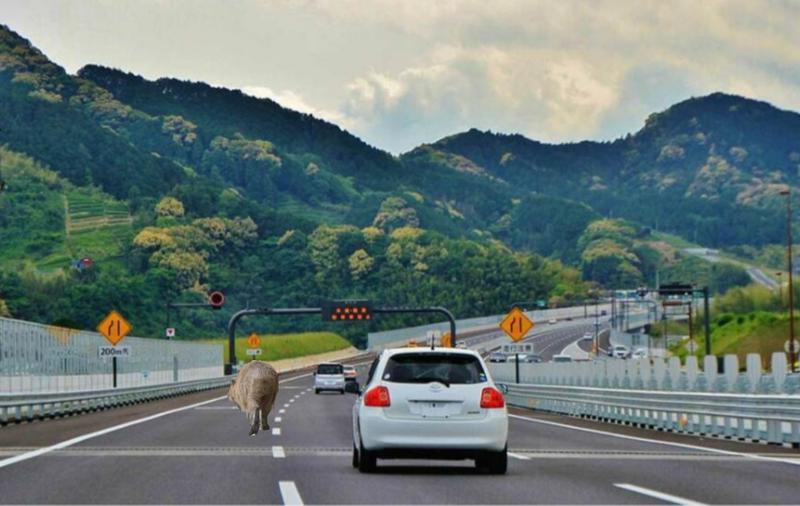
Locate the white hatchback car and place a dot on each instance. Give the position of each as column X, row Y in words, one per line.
column 430, row 403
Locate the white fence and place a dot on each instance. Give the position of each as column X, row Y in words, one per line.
column 749, row 405
column 660, row 374
column 38, row 358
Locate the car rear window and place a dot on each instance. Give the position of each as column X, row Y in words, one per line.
column 427, row 367
column 330, row 369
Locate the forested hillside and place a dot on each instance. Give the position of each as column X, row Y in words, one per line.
column 174, row 188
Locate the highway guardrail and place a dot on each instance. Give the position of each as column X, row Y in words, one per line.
column 752, row 417
column 15, row 408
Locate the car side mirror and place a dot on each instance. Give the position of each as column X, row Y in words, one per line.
column 352, row 387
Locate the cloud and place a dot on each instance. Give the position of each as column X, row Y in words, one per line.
column 292, row 100
column 568, row 70
column 524, row 90
column 401, row 73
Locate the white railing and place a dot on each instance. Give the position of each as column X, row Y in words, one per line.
column 37, row 358
column 660, row 374
column 16, row 408
column 756, row 417
column 750, row 405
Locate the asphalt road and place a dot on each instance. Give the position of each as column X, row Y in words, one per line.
column 199, row 453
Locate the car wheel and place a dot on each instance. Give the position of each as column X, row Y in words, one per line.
column 366, row 460
column 355, row 456
column 341, row 392
column 316, row 391
column 494, row 462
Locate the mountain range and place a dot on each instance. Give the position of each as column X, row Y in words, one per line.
column 176, row 186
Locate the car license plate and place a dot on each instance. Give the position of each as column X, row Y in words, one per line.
column 438, row 409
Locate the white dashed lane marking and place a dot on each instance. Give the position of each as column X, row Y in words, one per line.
column 289, row 493
column 281, row 410
column 276, row 431
column 278, row 453
column 278, row 419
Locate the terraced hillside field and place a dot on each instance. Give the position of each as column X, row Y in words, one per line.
column 86, row 212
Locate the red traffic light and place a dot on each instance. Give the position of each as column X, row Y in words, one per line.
column 216, row 299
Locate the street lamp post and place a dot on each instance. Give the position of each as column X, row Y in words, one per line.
column 792, row 352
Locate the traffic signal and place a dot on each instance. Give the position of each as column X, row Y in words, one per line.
column 346, row 310
column 216, row 299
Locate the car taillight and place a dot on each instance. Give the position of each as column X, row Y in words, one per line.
column 377, row 397
column 491, row 398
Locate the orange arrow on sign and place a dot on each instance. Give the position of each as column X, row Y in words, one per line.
column 114, row 327
column 516, row 324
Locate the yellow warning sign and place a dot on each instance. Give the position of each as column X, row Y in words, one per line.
column 516, row 324
column 253, row 341
column 114, row 327
column 447, row 340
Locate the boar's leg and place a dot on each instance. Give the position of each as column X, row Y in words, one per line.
column 254, row 425
column 264, row 418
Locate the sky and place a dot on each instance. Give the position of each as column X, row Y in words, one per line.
column 402, row 73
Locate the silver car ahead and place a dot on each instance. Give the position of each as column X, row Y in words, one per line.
column 329, row 377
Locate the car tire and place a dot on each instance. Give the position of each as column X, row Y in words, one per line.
column 341, row 392
column 316, row 391
column 367, row 462
column 494, row 462
column 355, row 456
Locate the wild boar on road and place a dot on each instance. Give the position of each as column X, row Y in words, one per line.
column 254, row 390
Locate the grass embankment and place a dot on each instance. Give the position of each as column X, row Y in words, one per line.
column 280, row 346
column 759, row 332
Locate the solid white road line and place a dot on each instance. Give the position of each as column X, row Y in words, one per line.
column 278, row 419
column 213, row 408
column 753, row 456
column 278, row 453
column 69, row 442
column 290, row 494
column 79, row 439
column 518, row 456
column 674, row 499
column 276, row 431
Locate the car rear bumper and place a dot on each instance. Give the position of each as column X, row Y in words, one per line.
column 392, row 436
column 329, row 385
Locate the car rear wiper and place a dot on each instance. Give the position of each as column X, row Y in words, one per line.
column 423, row 379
